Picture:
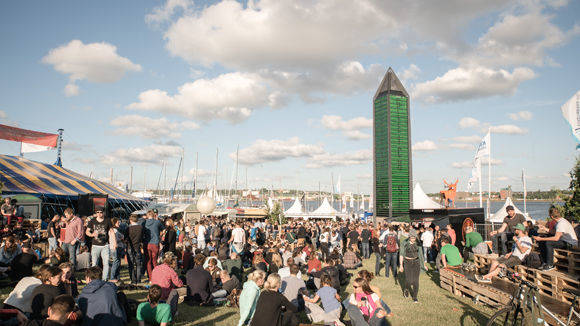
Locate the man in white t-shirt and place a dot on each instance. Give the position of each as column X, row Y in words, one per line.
column 521, row 248
column 238, row 239
column 200, row 232
column 427, row 240
column 565, row 237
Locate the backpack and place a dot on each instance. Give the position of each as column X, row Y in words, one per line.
column 391, row 243
column 532, row 260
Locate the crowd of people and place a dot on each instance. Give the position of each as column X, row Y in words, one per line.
column 273, row 274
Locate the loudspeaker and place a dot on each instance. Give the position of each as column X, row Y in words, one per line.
column 87, row 204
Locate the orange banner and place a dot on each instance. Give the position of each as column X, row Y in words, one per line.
column 28, row 136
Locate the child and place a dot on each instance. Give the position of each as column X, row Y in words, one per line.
column 330, row 302
column 152, row 312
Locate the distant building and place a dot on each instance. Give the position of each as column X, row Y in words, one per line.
column 392, row 159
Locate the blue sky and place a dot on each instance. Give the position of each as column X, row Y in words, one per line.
column 133, row 83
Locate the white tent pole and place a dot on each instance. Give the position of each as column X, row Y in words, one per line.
column 489, row 173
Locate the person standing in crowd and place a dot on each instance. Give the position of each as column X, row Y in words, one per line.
column 98, row 301
column 8, row 211
column 390, row 243
column 135, row 249
column 273, row 309
column 117, row 250
column 53, row 233
column 375, row 245
column 411, row 261
column 564, row 238
column 170, row 237
column 365, row 237
column 325, row 243
column 353, row 238
column 73, row 235
column 101, row 231
column 238, row 239
column 500, row 237
column 200, row 231
column 427, row 241
column 250, row 295
column 152, row 234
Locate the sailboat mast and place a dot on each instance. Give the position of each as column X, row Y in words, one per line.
column 195, row 175
column 216, row 173
column 489, row 176
column 237, row 157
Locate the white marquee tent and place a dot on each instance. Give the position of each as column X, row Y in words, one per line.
column 422, row 201
column 325, row 211
column 295, row 210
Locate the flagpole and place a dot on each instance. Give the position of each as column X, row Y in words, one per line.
column 489, row 174
column 480, row 196
column 525, row 192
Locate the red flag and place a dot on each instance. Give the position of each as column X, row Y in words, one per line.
column 28, row 136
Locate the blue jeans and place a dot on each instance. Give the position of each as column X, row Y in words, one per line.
column 135, row 260
column 71, row 250
column 366, row 250
column 52, row 244
column 101, row 252
column 391, row 262
column 117, row 255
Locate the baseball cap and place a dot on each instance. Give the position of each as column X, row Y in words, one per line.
column 520, row 227
column 509, row 208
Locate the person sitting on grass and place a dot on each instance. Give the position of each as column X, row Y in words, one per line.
column 98, row 301
column 351, row 258
column 152, row 312
column 367, row 303
column 521, row 248
column 273, row 309
column 166, row 277
column 60, row 312
column 331, row 308
column 292, row 287
column 249, row 296
column 450, row 256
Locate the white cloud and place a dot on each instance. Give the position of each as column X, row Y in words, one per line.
column 71, row 90
column 522, row 115
column 356, row 135
column 95, row 62
column 508, row 129
column 201, row 173
column 74, row 146
column 518, row 40
column 469, row 164
column 137, row 125
column 164, row 13
column 502, row 178
column 468, row 139
column 471, row 83
column 410, row 73
column 343, row 159
column 262, row 151
column 230, row 96
column 152, row 154
column 462, row 146
column 426, row 145
column 468, row 122
column 350, row 128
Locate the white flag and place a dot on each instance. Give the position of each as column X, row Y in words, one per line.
column 30, row 148
column 362, row 203
column 571, row 112
column 483, row 147
column 475, row 173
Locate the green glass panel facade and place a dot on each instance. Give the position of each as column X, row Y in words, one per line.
column 392, row 155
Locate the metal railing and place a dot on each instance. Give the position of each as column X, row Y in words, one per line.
column 485, row 228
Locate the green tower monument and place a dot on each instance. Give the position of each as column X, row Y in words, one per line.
column 392, row 166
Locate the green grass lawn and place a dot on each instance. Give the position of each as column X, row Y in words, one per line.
column 436, row 306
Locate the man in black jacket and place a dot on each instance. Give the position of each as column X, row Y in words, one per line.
column 199, row 283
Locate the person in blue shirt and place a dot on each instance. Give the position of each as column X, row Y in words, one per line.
column 331, row 307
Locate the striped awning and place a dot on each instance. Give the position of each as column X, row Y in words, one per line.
column 20, row 175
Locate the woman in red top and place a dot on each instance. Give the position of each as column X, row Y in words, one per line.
column 314, row 264
column 165, row 276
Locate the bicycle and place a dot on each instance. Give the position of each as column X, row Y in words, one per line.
column 525, row 307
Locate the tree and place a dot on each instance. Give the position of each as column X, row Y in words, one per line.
column 572, row 204
column 275, row 214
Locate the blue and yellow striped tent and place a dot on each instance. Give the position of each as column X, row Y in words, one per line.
column 22, row 176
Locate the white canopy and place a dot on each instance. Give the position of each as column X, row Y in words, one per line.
column 295, row 210
column 325, row 211
column 421, row 200
column 498, row 216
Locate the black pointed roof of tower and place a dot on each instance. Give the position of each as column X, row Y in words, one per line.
column 391, row 84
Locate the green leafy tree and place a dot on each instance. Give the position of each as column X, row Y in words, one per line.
column 276, row 214
column 572, row 204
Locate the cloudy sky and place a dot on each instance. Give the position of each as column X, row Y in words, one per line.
column 135, row 83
